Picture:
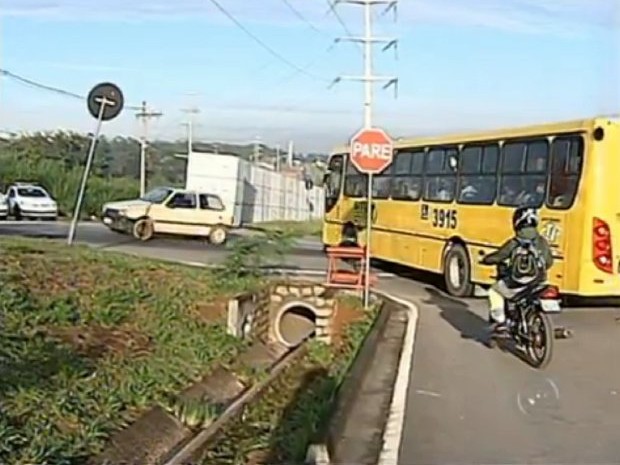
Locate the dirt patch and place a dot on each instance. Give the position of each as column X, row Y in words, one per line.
column 346, row 312
column 96, row 341
column 257, row 457
column 208, row 312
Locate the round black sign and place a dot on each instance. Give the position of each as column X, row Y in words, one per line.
column 107, row 94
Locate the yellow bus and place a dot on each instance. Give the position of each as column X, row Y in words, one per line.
column 446, row 201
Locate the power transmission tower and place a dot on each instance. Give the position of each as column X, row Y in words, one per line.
column 369, row 79
column 145, row 116
column 368, row 40
column 190, row 127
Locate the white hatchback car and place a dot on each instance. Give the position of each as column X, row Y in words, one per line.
column 26, row 200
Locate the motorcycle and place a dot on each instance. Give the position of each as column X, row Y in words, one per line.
column 528, row 321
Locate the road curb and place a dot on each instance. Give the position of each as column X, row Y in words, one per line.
column 275, row 271
column 368, row 405
column 392, row 435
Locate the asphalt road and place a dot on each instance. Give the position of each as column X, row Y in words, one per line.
column 305, row 255
column 466, row 404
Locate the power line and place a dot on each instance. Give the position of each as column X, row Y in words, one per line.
column 38, row 85
column 56, row 90
column 334, row 11
column 301, row 17
column 260, row 42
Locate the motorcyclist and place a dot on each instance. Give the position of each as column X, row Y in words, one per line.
column 524, row 222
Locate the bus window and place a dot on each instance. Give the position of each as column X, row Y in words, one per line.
column 381, row 183
column 407, row 175
column 355, row 183
column 566, row 165
column 440, row 175
column 513, row 156
column 490, row 160
column 478, row 175
column 524, row 178
column 537, row 156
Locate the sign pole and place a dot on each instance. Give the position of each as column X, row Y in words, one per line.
column 89, row 162
column 104, row 103
column 368, row 236
column 371, row 153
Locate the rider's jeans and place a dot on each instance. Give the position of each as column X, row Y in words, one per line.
column 496, row 306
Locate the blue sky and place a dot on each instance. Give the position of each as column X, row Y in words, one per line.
column 462, row 65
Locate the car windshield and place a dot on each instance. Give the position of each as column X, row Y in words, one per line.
column 157, row 195
column 31, row 192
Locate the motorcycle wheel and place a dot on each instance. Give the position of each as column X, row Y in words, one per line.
column 539, row 346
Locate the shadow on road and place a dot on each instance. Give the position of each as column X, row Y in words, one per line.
column 401, row 271
column 470, row 325
column 458, row 315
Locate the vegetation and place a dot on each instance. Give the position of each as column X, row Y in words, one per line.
column 56, row 160
column 89, row 340
column 294, row 411
column 250, row 255
column 296, row 228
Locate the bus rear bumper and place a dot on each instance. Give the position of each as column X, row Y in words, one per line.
column 600, row 287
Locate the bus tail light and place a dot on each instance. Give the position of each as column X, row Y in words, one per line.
column 601, row 246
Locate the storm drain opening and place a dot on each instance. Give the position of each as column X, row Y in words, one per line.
column 295, row 323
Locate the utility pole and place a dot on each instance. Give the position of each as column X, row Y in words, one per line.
column 257, row 150
column 368, row 40
column 369, row 79
column 144, row 115
column 277, row 158
column 190, row 127
column 289, row 156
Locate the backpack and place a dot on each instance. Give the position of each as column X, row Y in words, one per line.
column 526, row 262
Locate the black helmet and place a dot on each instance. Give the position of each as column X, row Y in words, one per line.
column 524, row 217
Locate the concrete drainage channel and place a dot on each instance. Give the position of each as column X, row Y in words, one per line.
column 210, row 417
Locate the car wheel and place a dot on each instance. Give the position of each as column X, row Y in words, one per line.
column 143, row 229
column 218, row 235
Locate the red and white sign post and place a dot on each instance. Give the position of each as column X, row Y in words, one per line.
column 371, row 152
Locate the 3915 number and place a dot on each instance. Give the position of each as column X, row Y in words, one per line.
column 444, row 218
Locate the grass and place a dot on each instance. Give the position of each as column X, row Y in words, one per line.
column 296, row 408
column 296, row 228
column 89, row 340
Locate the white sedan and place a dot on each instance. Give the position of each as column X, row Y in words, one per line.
column 31, row 201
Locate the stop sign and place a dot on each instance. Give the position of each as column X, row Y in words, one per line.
column 371, row 150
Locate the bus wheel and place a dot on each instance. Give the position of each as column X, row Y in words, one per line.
column 457, row 272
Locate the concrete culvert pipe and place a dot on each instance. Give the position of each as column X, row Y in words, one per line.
column 295, row 323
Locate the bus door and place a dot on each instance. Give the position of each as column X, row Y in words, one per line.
column 560, row 218
column 333, row 187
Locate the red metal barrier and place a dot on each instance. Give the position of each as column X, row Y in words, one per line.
column 347, row 277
